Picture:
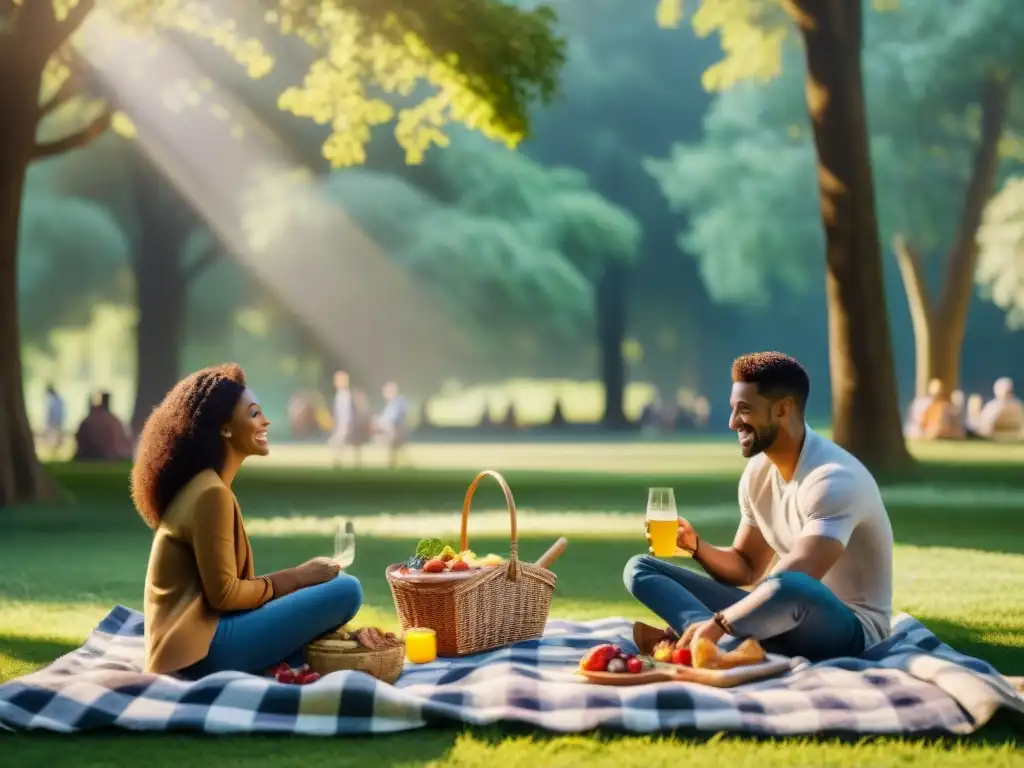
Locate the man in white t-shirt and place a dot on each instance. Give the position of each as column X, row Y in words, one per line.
column 805, row 504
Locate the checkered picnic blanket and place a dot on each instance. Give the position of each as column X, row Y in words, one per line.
column 911, row 683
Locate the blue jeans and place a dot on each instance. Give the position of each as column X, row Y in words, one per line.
column 791, row 613
column 252, row 641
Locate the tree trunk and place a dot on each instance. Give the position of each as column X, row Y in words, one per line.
column 22, row 478
column 161, row 289
column 922, row 313
column 611, row 333
column 865, row 409
column 939, row 326
column 950, row 318
column 162, row 295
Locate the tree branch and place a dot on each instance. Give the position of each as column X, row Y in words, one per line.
column 921, row 309
column 81, row 138
column 205, row 260
column 39, row 24
column 64, row 29
column 958, row 285
column 67, row 91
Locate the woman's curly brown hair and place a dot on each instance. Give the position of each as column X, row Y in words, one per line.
column 181, row 437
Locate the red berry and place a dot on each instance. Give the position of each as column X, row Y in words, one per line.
column 683, row 657
column 286, row 676
column 310, row 677
column 634, row 665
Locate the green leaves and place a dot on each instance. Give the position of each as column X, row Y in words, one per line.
column 1000, row 273
column 568, row 214
column 86, row 250
column 749, row 187
column 484, row 62
column 488, row 269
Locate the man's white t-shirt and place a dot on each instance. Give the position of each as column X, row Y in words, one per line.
column 832, row 495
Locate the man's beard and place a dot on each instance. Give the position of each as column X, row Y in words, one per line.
column 764, row 438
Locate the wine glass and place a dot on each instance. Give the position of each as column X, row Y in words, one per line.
column 345, row 545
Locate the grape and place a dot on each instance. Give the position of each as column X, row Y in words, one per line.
column 616, row 665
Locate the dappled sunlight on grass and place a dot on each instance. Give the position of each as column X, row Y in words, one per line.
column 57, row 620
column 534, row 400
column 715, row 458
column 493, row 523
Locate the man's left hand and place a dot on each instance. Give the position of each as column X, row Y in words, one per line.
column 708, row 630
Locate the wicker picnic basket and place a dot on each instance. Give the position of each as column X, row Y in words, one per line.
column 497, row 607
column 329, row 654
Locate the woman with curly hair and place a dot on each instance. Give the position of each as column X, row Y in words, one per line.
column 205, row 609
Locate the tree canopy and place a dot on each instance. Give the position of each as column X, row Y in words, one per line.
column 86, row 249
column 476, row 62
column 570, row 216
column 749, row 186
column 490, row 270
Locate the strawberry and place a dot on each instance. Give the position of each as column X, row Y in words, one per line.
column 682, row 657
column 310, row 677
column 285, row 676
column 597, row 658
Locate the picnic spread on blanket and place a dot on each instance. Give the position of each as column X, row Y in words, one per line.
column 477, row 647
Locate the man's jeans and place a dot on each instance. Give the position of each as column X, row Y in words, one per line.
column 791, row 613
column 252, row 641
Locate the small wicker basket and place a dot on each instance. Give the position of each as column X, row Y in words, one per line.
column 325, row 656
column 495, row 608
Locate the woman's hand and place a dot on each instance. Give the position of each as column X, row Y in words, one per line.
column 318, row 570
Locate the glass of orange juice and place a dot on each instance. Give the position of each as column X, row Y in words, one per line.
column 661, row 521
column 420, row 645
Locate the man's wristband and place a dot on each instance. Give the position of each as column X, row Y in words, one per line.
column 696, row 546
column 723, row 624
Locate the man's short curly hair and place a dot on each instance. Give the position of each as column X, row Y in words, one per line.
column 181, row 437
column 775, row 374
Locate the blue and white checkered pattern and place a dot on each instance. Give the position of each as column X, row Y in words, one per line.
column 911, row 683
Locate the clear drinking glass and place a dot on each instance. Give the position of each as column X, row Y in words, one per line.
column 345, row 545
column 662, row 521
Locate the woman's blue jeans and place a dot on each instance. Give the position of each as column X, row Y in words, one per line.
column 252, row 641
column 791, row 613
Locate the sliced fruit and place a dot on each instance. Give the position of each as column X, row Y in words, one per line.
column 598, row 657
column 662, row 651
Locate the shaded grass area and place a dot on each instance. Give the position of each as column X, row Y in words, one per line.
column 63, row 567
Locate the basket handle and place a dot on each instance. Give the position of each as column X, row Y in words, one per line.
column 509, row 501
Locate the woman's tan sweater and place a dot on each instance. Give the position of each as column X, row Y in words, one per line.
column 200, row 566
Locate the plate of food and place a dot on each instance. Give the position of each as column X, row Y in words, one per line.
column 435, row 560
column 706, row 664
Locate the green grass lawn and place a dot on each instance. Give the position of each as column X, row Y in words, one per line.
column 959, row 569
